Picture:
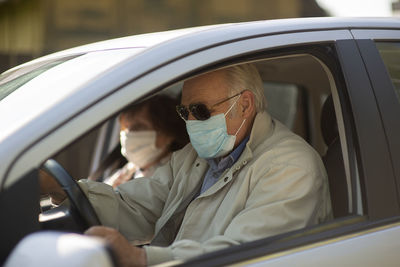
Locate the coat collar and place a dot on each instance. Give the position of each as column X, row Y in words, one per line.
column 262, row 129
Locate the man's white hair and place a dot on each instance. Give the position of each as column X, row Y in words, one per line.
column 246, row 77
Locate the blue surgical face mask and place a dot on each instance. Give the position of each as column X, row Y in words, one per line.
column 210, row 137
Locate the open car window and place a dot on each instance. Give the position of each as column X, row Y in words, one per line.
column 294, row 97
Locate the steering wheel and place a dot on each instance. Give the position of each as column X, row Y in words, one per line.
column 78, row 200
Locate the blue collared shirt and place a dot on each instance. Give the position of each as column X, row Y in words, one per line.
column 218, row 166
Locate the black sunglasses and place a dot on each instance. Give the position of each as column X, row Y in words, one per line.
column 199, row 110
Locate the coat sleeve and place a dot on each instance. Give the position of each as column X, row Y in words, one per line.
column 134, row 207
column 284, row 198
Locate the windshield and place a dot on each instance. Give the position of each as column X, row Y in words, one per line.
column 32, row 89
column 11, row 81
column 82, row 67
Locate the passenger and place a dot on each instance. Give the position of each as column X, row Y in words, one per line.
column 150, row 132
column 244, row 176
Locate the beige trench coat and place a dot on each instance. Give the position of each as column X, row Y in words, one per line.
column 278, row 184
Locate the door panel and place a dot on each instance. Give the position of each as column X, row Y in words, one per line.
column 376, row 247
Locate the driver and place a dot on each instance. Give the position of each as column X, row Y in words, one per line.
column 244, row 176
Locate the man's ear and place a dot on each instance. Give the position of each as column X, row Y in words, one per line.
column 247, row 104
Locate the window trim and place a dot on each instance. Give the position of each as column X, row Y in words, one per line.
column 388, row 103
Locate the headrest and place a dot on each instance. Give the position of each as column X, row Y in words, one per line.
column 329, row 126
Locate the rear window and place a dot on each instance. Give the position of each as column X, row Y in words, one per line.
column 390, row 53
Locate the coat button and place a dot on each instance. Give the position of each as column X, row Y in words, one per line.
column 244, row 162
column 225, row 179
column 237, row 168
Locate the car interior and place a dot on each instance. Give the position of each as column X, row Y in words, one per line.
column 302, row 100
column 302, row 89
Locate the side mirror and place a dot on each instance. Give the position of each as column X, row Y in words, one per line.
column 60, row 249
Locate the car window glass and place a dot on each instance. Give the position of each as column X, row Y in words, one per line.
column 390, row 53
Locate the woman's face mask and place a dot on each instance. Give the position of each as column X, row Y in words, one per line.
column 139, row 147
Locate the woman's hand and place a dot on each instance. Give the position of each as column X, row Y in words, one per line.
column 49, row 186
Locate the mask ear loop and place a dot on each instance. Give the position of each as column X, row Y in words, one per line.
column 241, row 125
column 226, row 113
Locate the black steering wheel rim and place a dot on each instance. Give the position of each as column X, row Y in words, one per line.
column 77, row 198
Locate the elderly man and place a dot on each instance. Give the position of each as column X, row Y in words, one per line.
column 244, row 176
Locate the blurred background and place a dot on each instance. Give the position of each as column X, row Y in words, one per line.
column 33, row 28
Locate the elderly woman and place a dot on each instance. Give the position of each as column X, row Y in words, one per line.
column 150, row 131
